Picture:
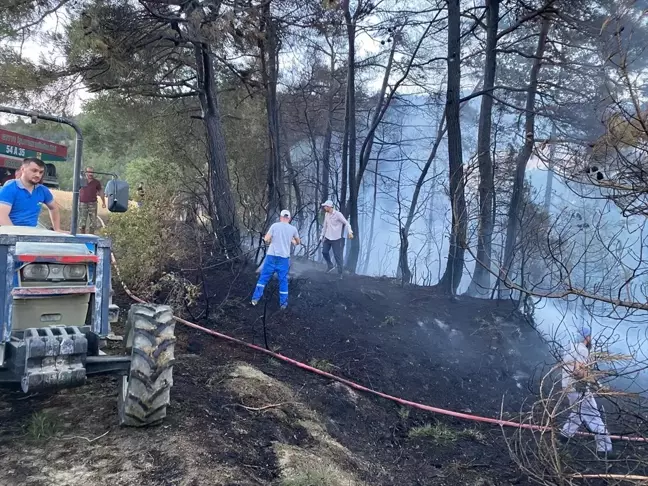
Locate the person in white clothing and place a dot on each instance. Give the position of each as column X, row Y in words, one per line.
column 333, row 236
column 576, row 376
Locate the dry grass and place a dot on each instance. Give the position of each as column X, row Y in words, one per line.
column 440, row 433
column 64, row 201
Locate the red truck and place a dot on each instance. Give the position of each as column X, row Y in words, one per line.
column 15, row 147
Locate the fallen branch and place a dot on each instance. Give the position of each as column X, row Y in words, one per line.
column 90, row 441
column 626, row 477
column 261, row 409
column 26, row 397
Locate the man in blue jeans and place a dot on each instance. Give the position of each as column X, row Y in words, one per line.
column 332, row 237
column 280, row 236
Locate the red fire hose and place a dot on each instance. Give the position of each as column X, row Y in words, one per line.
column 420, row 406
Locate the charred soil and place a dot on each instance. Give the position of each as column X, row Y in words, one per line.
column 239, row 417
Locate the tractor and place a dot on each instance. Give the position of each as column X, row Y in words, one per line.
column 14, row 147
column 56, row 309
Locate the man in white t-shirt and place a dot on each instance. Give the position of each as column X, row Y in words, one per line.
column 576, row 375
column 280, row 236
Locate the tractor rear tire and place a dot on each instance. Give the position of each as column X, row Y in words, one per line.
column 144, row 393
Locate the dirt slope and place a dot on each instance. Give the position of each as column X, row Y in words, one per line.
column 240, row 418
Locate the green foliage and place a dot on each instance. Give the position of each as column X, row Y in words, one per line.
column 147, row 244
column 20, row 79
column 389, row 321
column 441, row 433
column 143, row 169
column 245, row 128
column 120, row 127
column 42, row 425
column 148, row 247
column 474, row 434
column 404, row 413
column 322, row 364
column 275, row 362
column 17, row 14
column 438, row 432
column 114, row 131
column 138, row 237
column 54, row 132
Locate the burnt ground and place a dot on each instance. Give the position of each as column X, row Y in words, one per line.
column 239, row 417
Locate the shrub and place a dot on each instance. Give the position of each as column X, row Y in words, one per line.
column 149, row 250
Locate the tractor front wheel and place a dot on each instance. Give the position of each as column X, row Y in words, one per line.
column 144, row 393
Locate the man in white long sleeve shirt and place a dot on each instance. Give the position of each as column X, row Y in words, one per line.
column 575, row 378
column 333, row 236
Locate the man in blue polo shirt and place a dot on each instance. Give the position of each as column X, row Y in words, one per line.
column 20, row 199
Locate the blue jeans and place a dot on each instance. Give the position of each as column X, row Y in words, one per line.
column 271, row 265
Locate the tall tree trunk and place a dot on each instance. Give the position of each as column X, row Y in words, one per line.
column 293, row 177
column 352, row 209
column 316, row 203
column 222, row 209
column 481, row 281
column 295, row 184
column 403, row 262
column 328, row 134
column 370, row 242
column 452, row 276
column 430, row 213
column 550, row 168
column 385, row 101
column 269, row 49
column 403, row 270
column 526, row 151
column 345, row 157
column 365, row 155
column 379, row 113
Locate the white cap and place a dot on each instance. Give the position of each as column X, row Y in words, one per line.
column 285, row 213
column 328, row 203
